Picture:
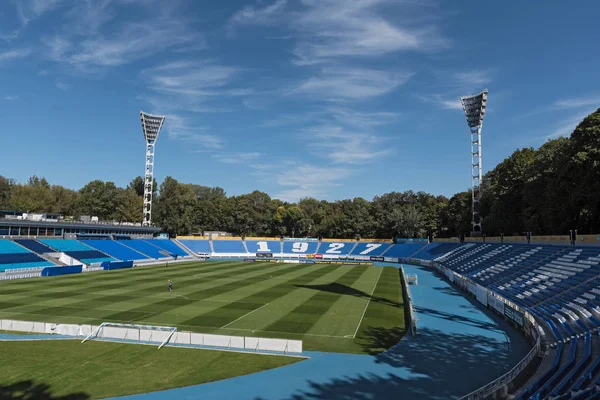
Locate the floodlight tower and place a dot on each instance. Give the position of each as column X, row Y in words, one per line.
column 151, row 125
column 474, row 107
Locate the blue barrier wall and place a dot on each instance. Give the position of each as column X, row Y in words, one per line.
column 56, row 271
column 107, row 265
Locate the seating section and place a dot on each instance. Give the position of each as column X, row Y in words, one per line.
column 405, row 250
column 370, row 249
column 13, row 256
column 335, row 248
column 197, row 245
column 34, row 246
column 169, row 246
column 299, row 247
column 146, row 248
column 78, row 250
column 264, row 246
column 116, row 250
column 560, row 286
column 435, row 250
column 229, row 246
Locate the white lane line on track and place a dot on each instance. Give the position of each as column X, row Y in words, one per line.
column 367, row 305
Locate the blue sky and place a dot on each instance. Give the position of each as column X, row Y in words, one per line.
column 326, row 98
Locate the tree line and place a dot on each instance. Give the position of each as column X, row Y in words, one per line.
column 549, row 190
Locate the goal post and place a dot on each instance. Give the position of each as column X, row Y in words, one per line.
column 134, row 332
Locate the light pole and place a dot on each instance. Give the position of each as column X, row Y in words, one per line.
column 474, row 108
column 151, row 125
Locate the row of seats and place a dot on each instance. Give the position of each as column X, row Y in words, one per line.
column 560, row 286
column 21, row 253
column 15, row 256
column 325, row 247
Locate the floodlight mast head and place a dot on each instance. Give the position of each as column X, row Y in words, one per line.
column 474, row 107
column 151, row 125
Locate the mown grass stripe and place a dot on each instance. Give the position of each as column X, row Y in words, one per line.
column 303, row 317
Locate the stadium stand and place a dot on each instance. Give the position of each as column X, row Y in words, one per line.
column 435, row 250
column 560, row 286
column 299, row 247
column 405, row 250
column 169, row 246
column 229, row 246
column 116, row 250
column 77, row 250
column 370, row 249
column 34, row 246
column 145, row 248
column 264, row 246
column 197, row 245
column 13, row 256
column 335, row 248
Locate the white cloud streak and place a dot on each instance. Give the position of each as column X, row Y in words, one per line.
column 237, row 157
column 343, row 147
column 307, row 180
column 15, row 54
column 336, row 84
column 180, row 128
column 577, row 102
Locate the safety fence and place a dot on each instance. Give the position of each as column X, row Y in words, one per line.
column 412, row 319
column 152, row 335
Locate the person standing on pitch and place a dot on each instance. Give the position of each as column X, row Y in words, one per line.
column 170, row 285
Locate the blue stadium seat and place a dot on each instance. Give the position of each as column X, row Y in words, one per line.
column 404, row 250
column 116, row 249
column 299, row 247
column 34, row 246
column 145, row 248
column 264, row 246
column 435, row 250
column 370, row 249
column 65, row 245
column 168, row 245
column 335, row 248
column 13, row 256
column 197, row 245
column 228, row 246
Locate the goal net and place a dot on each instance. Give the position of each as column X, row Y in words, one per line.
column 133, row 332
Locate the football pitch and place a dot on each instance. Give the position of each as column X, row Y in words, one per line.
column 340, row 308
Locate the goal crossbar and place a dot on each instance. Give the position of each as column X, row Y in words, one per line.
column 125, row 329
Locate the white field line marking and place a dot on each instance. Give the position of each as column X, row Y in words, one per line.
column 245, row 315
column 173, row 294
column 367, row 305
column 286, row 333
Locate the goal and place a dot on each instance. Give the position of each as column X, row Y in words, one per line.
column 133, row 332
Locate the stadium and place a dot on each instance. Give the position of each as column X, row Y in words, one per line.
column 160, row 289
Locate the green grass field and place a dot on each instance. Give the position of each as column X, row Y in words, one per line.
column 67, row 369
column 341, row 308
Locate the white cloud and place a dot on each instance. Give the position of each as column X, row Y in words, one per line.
column 251, row 15
column 11, row 98
column 62, row 85
column 445, row 102
column 577, row 102
column 473, row 78
column 343, row 147
column 132, row 42
column 351, row 83
column 339, row 28
column 192, row 78
column 306, row 180
column 360, row 119
column 236, row 157
column 567, row 125
column 10, row 55
column 179, row 128
column 28, row 10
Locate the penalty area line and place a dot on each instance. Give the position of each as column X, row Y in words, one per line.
column 367, row 305
column 245, row 315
